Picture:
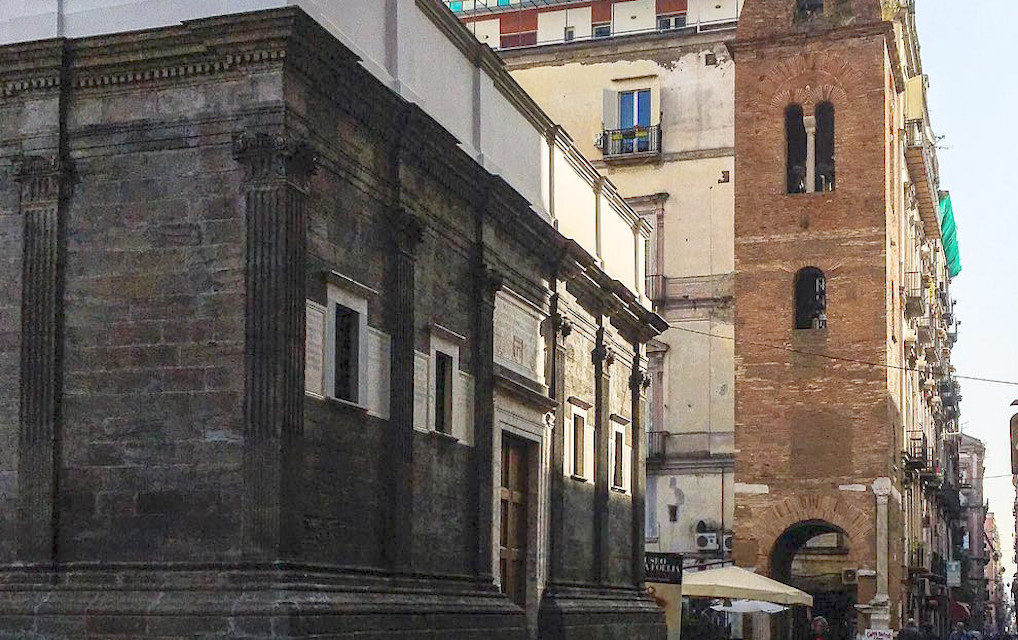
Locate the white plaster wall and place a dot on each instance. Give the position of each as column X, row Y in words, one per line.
column 487, row 31
column 617, row 248
column 574, row 205
column 713, row 10
column 512, row 147
column 698, row 497
column 551, row 24
column 634, row 15
column 446, row 95
column 699, row 377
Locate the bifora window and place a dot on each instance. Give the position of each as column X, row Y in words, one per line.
column 795, row 136
column 810, row 299
column 824, row 147
column 806, row 9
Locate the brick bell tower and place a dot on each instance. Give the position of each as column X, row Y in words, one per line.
column 817, row 495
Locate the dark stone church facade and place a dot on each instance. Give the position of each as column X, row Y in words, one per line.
column 228, row 254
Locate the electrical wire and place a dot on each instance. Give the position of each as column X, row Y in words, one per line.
column 842, row 359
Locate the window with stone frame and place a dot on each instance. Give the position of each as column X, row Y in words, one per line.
column 579, row 449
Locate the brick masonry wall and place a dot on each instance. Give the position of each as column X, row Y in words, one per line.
column 806, row 426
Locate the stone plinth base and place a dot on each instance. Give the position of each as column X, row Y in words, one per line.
column 581, row 613
column 252, row 603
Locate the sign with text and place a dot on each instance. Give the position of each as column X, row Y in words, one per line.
column 954, row 573
column 879, row 634
column 663, row 567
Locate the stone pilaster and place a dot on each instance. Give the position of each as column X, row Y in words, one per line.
column 879, row 609
column 407, row 233
column 489, row 282
column 603, row 358
column 561, row 328
column 42, row 181
column 638, row 383
column 277, row 171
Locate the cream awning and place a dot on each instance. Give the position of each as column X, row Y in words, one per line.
column 738, row 583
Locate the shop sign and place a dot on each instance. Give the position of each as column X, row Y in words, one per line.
column 663, row 567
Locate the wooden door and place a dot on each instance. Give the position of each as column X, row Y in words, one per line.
column 513, row 537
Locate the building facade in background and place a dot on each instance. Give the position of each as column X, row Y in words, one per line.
column 302, row 340
column 972, row 458
column 995, row 621
column 647, row 91
column 844, row 255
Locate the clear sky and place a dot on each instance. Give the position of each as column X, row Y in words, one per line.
column 970, row 52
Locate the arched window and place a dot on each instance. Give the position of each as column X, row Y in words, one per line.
column 806, row 9
column 825, row 147
column 810, row 299
column 795, row 136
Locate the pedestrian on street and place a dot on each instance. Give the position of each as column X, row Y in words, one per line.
column 821, row 629
column 958, row 633
column 911, row 631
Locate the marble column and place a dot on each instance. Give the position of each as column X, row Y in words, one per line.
column 810, row 122
column 880, row 612
column 43, row 180
column 277, row 171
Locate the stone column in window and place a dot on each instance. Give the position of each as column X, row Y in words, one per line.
column 43, row 181
column 407, row 233
column 810, row 123
column 277, row 173
column 603, row 357
column 561, row 328
column 638, row 383
column 489, row 281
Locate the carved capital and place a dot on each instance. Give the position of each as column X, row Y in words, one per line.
column 407, row 232
column 40, row 177
column 491, row 282
column 268, row 157
column 563, row 326
column 639, row 380
column 603, row 354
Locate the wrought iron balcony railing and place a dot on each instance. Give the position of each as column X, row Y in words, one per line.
column 635, row 141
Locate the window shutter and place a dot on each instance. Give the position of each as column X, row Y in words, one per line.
column 314, row 348
column 610, row 109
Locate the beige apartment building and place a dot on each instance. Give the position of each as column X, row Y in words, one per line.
column 646, row 90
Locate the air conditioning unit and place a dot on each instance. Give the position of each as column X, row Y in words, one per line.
column 707, row 541
column 729, row 542
column 849, row 576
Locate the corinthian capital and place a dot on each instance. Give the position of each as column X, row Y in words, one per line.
column 267, row 156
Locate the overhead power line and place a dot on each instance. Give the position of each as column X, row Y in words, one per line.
column 842, row 359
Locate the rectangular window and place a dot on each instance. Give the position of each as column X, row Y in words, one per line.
column 346, row 354
column 579, row 443
column 618, row 476
column 503, row 3
column 443, row 392
column 569, row 34
column 456, row 5
column 634, row 120
column 602, row 30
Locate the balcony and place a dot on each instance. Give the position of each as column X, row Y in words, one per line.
column 915, row 294
column 662, row 445
column 924, row 329
column 636, row 143
column 921, row 158
column 916, row 455
column 918, row 560
column 714, row 288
